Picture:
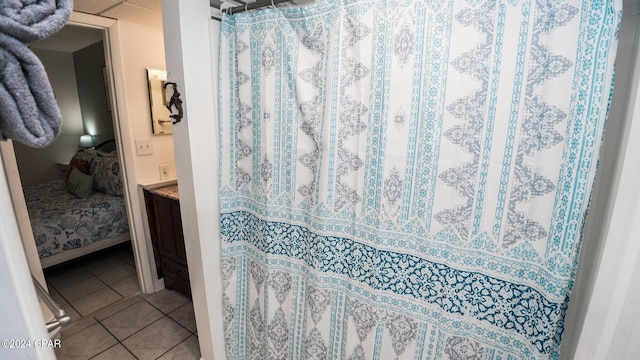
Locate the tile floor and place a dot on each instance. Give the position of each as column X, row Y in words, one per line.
column 111, row 319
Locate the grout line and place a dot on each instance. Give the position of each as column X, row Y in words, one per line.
column 93, row 293
column 137, row 331
column 177, row 322
column 102, row 281
column 144, row 327
column 123, row 264
column 167, row 313
column 175, row 346
column 76, row 310
column 190, row 333
column 129, row 351
column 71, row 270
column 118, row 340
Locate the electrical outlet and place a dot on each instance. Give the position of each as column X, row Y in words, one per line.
column 164, row 171
column 144, row 147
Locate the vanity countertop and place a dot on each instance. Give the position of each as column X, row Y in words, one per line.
column 170, row 191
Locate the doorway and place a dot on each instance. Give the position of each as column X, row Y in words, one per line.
column 76, row 60
column 113, row 74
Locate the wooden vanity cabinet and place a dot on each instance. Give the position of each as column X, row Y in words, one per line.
column 165, row 227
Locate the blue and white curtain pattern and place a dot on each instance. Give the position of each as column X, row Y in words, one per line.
column 408, row 179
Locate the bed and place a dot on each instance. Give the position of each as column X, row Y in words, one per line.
column 71, row 218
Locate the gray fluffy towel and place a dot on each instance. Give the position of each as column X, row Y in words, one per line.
column 29, row 20
column 28, row 110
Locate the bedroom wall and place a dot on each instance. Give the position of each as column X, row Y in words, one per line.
column 96, row 114
column 39, row 165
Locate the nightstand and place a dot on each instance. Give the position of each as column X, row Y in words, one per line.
column 63, row 166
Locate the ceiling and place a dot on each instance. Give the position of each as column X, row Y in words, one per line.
column 149, row 12
column 73, row 38
column 145, row 12
column 69, row 39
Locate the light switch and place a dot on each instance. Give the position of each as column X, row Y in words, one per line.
column 144, row 147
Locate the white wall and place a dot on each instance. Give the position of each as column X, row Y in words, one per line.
column 133, row 49
column 39, row 165
column 143, row 47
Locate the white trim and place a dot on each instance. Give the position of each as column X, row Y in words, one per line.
column 20, row 207
column 22, row 315
column 142, row 249
column 189, row 50
column 91, row 21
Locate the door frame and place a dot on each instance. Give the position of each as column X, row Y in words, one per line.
column 189, row 38
column 125, row 151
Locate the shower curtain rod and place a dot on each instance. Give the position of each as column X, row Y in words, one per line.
column 253, row 5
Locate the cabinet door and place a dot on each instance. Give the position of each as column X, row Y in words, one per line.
column 169, row 229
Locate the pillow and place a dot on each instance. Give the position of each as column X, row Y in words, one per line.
column 107, row 154
column 88, row 155
column 83, row 165
column 106, row 175
column 79, row 184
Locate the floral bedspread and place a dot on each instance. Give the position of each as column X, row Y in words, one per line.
column 61, row 221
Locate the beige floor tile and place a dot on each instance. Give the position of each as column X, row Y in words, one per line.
column 121, row 272
column 167, row 300
column 186, row 350
column 103, row 264
column 156, row 339
column 77, row 325
column 126, row 322
column 81, row 289
column 96, row 301
column 71, row 312
column 184, row 316
column 116, row 307
column 66, row 277
column 127, row 287
column 117, row 352
column 86, row 344
column 55, row 295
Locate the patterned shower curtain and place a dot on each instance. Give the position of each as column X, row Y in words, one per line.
column 408, row 179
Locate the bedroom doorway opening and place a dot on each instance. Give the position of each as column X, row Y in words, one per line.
column 87, row 248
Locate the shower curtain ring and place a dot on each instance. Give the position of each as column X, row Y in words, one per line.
column 272, row 4
column 245, row 6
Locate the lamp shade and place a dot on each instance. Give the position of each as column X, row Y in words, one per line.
column 86, row 141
